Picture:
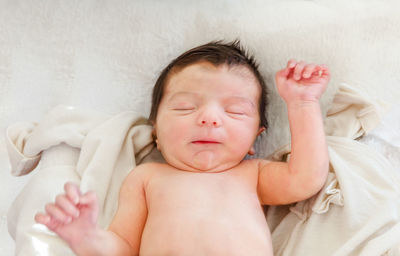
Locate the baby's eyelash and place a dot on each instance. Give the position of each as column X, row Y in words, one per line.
column 235, row 113
column 178, row 109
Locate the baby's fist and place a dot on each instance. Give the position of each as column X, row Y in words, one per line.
column 300, row 82
column 72, row 214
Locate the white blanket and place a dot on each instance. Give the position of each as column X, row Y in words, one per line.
column 91, row 149
column 358, row 210
column 356, row 213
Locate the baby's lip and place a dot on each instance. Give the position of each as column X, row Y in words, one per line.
column 206, row 141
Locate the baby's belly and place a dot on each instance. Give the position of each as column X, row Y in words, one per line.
column 232, row 230
column 205, row 238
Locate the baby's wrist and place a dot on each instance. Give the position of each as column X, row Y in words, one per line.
column 302, row 103
column 87, row 242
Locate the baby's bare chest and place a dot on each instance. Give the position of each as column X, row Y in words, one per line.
column 194, row 210
column 207, row 192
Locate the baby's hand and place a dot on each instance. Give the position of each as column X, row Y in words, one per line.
column 72, row 216
column 300, row 82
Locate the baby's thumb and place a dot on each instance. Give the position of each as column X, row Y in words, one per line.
column 89, row 199
column 88, row 206
column 282, row 75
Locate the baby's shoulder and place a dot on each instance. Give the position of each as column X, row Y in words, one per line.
column 149, row 167
column 145, row 170
column 256, row 163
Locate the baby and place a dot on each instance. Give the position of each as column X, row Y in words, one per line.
column 208, row 107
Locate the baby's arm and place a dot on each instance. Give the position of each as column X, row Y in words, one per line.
column 130, row 219
column 81, row 232
column 300, row 85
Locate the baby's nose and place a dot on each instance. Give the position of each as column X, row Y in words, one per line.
column 210, row 123
column 209, row 119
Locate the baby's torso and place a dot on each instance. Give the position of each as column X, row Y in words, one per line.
column 204, row 213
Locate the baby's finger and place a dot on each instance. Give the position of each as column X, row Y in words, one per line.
column 49, row 222
column 298, row 70
column 282, row 74
column 324, row 72
column 72, row 191
column 67, row 206
column 89, row 198
column 54, row 212
column 42, row 218
column 309, row 70
column 291, row 63
column 325, row 69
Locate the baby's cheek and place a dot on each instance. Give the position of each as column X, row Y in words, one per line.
column 178, row 131
column 247, row 138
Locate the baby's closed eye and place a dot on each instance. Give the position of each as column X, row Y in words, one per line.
column 237, row 109
column 183, row 107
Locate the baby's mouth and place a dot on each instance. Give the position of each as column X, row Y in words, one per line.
column 205, row 142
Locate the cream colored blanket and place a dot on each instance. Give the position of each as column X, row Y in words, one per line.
column 92, row 149
column 358, row 210
column 356, row 213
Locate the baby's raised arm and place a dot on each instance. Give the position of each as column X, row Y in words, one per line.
column 300, row 85
column 73, row 217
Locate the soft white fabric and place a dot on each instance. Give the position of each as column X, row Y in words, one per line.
column 358, row 210
column 91, row 149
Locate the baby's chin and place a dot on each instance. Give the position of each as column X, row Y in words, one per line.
column 204, row 161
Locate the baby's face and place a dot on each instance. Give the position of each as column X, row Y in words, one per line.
column 208, row 117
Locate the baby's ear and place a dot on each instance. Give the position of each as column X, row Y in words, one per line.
column 252, row 151
column 260, row 130
column 153, row 131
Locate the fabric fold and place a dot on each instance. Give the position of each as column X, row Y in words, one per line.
column 15, row 142
column 63, row 124
column 352, row 114
column 89, row 148
column 359, row 183
column 331, row 195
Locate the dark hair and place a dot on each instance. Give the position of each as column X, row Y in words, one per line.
column 217, row 53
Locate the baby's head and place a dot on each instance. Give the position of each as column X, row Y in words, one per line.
column 208, row 107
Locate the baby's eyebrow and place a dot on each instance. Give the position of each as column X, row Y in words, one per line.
column 241, row 100
column 228, row 99
column 182, row 94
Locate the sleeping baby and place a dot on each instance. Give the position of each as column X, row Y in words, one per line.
column 208, row 107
